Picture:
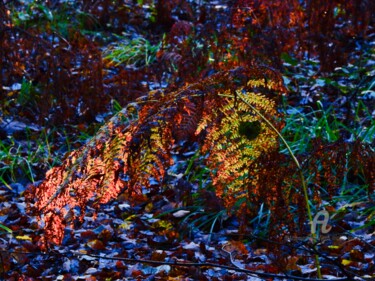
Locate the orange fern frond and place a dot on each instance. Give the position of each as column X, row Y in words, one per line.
column 133, row 150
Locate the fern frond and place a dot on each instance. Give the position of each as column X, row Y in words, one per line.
column 133, row 150
column 230, row 152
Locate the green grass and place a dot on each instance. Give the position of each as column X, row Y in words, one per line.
column 345, row 116
column 305, row 124
column 26, row 160
column 136, row 52
column 62, row 19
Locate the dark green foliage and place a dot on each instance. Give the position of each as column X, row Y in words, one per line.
column 250, row 129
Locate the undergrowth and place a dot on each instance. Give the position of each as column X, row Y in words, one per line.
column 335, row 132
column 239, row 170
column 133, row 150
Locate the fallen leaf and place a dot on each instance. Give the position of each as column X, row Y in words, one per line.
column 24, row 237
column 96, row 244
column 180, row 213
column 191, row 246
column 346, row 262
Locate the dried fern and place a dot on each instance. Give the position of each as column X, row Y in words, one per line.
column 133, row 150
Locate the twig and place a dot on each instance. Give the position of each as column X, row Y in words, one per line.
column 207, row 264
column 312, row 250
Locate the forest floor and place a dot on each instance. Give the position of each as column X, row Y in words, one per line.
column 165, row 238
